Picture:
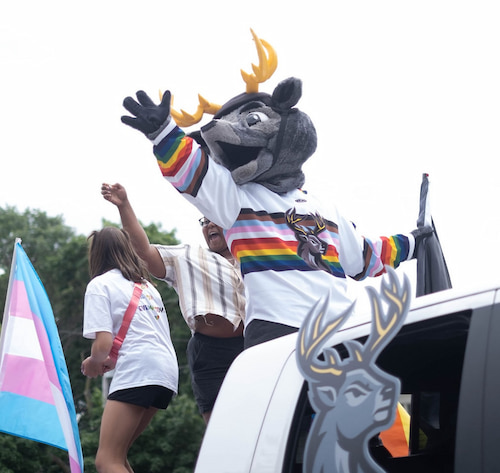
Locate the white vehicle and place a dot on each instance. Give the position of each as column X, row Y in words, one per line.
column 447, row 358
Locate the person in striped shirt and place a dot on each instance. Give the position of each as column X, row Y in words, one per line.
column 210, row 287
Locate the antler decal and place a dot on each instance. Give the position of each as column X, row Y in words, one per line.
column 268, row 62
column 312, row 336
column 398, row 299
column 294, row 221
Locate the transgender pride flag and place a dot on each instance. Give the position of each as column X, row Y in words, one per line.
column 36, row 401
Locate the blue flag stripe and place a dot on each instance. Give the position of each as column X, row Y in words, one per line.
column 40, row 429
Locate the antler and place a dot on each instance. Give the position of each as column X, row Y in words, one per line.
column 184, row 119
column 267, row 65
column 294, row 220
column 320, row 223
column 385, row 326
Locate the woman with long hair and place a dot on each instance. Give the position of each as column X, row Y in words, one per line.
column 146, row 371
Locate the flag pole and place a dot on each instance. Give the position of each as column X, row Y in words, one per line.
column 7, row 297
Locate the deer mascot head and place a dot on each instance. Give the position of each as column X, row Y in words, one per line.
column 353, row 398
column 259, row 137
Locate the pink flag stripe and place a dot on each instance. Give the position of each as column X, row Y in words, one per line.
column 26, row 377
column 19, row 303
column 20, row 307
column 74, row 463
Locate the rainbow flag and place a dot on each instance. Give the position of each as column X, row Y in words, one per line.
column 36, row 400
column 397, row 438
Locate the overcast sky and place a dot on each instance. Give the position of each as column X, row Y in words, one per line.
column 394, row 88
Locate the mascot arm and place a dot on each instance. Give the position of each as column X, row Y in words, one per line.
column 362, row 257
column 206, row 184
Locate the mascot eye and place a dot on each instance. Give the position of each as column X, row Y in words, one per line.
column 256, row 117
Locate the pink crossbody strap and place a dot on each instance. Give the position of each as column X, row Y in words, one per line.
column 127, row 318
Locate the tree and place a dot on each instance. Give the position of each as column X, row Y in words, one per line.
column 60, row 259
column 42, row 237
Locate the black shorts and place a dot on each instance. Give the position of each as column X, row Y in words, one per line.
column 144, row 396
column 260, row 331
column 209, row 359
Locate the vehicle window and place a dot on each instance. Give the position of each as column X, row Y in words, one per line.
column 427, row 357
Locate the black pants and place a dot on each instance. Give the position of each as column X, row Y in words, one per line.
column 260, row 331
column 209, row 359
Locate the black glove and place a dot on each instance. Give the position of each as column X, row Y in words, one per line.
column 150, row 118
column 419, row 234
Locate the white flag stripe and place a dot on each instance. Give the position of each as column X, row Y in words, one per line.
column 65, row 420
column 21, row 338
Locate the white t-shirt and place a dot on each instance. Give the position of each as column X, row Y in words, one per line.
column 147, row 355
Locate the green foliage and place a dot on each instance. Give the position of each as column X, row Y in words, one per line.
column 19, row 455
column 89, row 425
column 59, row 256
column 42, row 238
column 171, row 442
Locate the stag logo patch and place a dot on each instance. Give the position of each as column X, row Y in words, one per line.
column 306, row 229
column 353, row 399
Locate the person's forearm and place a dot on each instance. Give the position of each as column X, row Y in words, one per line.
column 133, row 228
column 93, row 365
column 140, row 240
column 101, row 347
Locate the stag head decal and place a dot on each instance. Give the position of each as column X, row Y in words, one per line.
column 353, row 398
column 311, row 247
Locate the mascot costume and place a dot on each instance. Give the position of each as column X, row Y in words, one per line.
column 243, row 172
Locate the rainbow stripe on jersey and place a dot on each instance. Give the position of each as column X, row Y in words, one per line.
column 185, row 166
column 263, row 241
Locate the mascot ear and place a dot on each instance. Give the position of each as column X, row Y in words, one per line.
column 287, row 93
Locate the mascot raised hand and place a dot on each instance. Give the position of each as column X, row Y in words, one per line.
column 243, row 171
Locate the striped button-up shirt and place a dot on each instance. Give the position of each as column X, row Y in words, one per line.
column 206, row 283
